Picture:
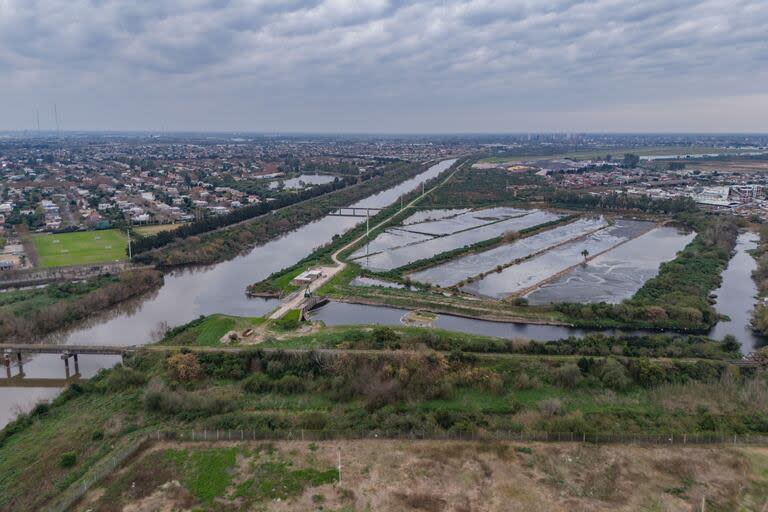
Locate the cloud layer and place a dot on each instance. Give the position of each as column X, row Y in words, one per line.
column 386, row 65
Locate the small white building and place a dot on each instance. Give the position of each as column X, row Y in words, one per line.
column 307, row 277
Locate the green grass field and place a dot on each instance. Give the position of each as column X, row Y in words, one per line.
column 80, row 248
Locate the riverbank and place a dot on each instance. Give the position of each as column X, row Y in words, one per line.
column 227, row 242
column 186, row 294
column 27, row 315
column 653, row 385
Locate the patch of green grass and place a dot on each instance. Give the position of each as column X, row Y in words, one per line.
column 80, row 248
column 156, row 228
column 288, row 321
column 471, row 400
column 207, row 331
column 278, row 480
column 207, row 473
column 213, row 329
column 29, row 460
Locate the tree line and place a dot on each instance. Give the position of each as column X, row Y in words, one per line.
column 146, row 243
column 619, row 201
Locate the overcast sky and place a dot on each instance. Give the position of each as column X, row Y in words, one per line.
column 385, row 66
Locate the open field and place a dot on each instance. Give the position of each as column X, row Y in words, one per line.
column 155, row 228
column 435, row 476
column 80, row 248
column 729, row 165
column 617, row 153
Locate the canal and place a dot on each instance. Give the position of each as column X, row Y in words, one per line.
column 185, row 295
column 188, row 293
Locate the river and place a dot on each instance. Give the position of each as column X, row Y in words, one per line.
column 185, row 295
column 220, row 288
column 736, row 295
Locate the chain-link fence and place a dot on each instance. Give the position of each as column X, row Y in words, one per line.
column 504, row 435
column 102, row 469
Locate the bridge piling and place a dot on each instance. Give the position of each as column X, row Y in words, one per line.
column 77, row 367
column 7, row 358
column 65, row 357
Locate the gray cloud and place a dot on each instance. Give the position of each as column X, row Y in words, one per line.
column 381, row 64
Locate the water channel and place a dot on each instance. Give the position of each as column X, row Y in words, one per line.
column 185, row 295
column 188, row 293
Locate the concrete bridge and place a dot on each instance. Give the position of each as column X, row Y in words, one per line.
column 354, row 212
column 16, row 351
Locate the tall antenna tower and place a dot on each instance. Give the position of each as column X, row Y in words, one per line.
column 38, row 123
column 56, row 116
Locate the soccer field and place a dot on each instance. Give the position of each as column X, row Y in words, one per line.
column 80, row 248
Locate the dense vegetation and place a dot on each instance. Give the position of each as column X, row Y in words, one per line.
column 146, row 243
column 618, row 201
column 596, row 384
column 487, row 187
column 29, row 313
column 657, row 345
column 215, row 246
column 760, row 275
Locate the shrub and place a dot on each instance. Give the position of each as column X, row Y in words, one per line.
column 68, row 460
column 184, row 404
column 313, row 421
column 275, row 369
column 481, row 378
column 41, row 409
column 97, row 435
column 120, row 378
column 184, row 367
column 257, row 383
column 289, row 384
column 550, row 407
column 568, row 376
column 383, row 336
column 523, row 381
column 614, row 375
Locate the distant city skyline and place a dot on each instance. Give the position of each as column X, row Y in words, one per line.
column 379, row 66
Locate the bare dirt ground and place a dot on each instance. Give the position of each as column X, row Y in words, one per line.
column 735, row 165
column 435, row 476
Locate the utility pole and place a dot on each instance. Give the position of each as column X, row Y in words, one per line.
column 128, row 232
column 367, row 224
column 339, row 449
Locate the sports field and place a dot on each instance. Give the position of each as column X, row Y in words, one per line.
column 80, row 248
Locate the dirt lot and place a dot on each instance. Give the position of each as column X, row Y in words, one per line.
column 735, row 165
column 437, row 476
